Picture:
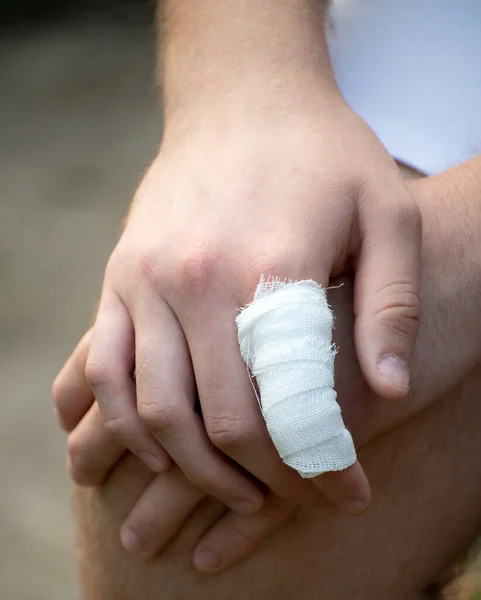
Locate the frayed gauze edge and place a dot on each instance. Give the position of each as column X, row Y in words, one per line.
column 285, row 339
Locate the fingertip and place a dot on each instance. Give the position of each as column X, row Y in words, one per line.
column 348, row 490
column 131, row 542
column 206, row 561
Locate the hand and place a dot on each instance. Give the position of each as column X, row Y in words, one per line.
column 451, row 324
column 169, row 499
column 308, row 196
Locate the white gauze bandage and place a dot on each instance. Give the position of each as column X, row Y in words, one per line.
column 285, row 338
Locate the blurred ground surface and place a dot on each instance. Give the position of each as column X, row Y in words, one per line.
column 78, row 124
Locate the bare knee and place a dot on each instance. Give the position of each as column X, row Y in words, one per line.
column 427, row 492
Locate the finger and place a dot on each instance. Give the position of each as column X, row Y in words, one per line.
column 70, row 390
column 387, row 296
column 236, row 536
column 165, row 401
column 109, row 373
column 348, row 490
column 230, row 409
column 159, row 513
column 92, row 450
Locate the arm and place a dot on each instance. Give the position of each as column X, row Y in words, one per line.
column 446, row 364
column 448, row 349
column 263, row 170
column 451, row 202
column 251, row 74
column 228, row 62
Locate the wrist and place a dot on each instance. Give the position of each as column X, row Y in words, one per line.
column 228, row 60
column 256, row 118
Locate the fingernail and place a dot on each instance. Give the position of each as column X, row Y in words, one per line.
column 244, row 507
column 353, row 506
column 129, row 540
column 394, row 370
column 206, row 560
column 152, row 461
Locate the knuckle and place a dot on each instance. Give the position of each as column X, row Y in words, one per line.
column 157, row 416
column 65, row 419
column 65, row 411
column 120, row 260
column 230, row 432
column 399, row 307
column 137, row 263
column 114, row 264
column 198, row 268
column 105, row 377
column 99, row 375
column 274, row 262
column 78, row 467
column 57, row 392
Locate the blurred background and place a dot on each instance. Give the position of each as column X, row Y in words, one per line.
column 78, row 125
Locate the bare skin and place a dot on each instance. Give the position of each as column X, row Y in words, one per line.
column 305, row 191
column 426, row 494
column 263, row 169
column 425, row 512
column 424, row 474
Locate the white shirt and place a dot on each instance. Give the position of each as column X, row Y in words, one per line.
column 412, row 70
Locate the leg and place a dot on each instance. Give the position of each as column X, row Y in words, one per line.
column 426, row 510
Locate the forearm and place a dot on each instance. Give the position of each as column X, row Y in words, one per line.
column 448, row 347
column 228, row 58
column 449, row 344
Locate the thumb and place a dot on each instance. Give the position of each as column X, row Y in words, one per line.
column 386, row 302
